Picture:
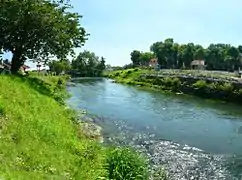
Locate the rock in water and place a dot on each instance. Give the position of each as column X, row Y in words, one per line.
column 91, row 131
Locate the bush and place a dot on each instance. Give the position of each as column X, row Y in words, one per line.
column 125, row 163
column 227, row 87
column 200, row 84
column 176, row 83
column 129, row 71
column 240, row 92
column 167, row 81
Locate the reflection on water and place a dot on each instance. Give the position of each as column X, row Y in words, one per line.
column 211, row 126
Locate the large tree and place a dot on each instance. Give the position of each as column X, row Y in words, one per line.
column 38, row 29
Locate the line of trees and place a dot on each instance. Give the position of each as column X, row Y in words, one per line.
column 173, row 55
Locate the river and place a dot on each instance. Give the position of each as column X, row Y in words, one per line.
column 191, row 138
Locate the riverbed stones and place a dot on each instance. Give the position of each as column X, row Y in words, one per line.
column 180, row 161
column 91, row 131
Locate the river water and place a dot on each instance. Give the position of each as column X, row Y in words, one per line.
column 191, row 138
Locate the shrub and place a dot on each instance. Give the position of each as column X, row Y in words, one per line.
column 125, row 163
column 167, row 81
column 228, row 87
column 240, row 92
column 176, row 83
column 200, row 84
column 213, row 87
column 129, row 71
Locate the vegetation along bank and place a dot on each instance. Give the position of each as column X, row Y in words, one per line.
column 217, row 85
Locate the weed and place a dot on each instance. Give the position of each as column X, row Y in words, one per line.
column 126, row 164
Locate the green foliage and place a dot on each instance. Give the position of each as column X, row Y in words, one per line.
column 200, row 84
column 173, row 55
column 226, row 87
column 240, row 92
column 88, row 64
column 126, row 164
column 38, row 137
column 59, row 66
column 39, row 30
column 171, row 82
column 141, row 58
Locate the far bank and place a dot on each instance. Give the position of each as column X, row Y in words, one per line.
column 221, row 86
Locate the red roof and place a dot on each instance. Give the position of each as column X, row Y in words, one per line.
column 153, row 61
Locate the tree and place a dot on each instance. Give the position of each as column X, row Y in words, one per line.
column 135, row 57
column 59, row 66
column 88, row 64
column 145, row 58
column 101, row 65
column 39, row 29
column 199, row 53
column 158, row 48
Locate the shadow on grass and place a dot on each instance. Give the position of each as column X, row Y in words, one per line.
column 39, row 85
column 51, row 89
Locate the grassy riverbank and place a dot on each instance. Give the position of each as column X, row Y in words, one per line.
column 216, row 85
column 40, row 138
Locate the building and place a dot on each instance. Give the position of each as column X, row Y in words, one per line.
column 198, row 64
column 154, row 64
column 5, row 67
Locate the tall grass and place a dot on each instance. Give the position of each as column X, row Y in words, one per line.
column 38, row 137
column 125, row 163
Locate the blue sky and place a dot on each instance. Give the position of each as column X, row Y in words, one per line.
column 118, row 27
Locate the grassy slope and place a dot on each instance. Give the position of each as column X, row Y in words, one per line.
column 38, row 137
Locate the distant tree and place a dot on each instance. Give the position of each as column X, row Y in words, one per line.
column 199, row 54
column 101, row 65
column 146, row 57
column 88, row 64
column 135, row 57
column 59, row 66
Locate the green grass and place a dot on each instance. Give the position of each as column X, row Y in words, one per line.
column 125, row 163
column 40, row 138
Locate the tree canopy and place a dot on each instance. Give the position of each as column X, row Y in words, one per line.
column 59, row 66
column 38, row 30
column 88, row 64
column 140, row 58
column 173, row 55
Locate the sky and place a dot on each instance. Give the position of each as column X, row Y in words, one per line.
column 119, row 27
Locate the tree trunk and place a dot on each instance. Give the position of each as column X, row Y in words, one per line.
column 17, row 61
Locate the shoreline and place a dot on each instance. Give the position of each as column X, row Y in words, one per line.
column 214, row 88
